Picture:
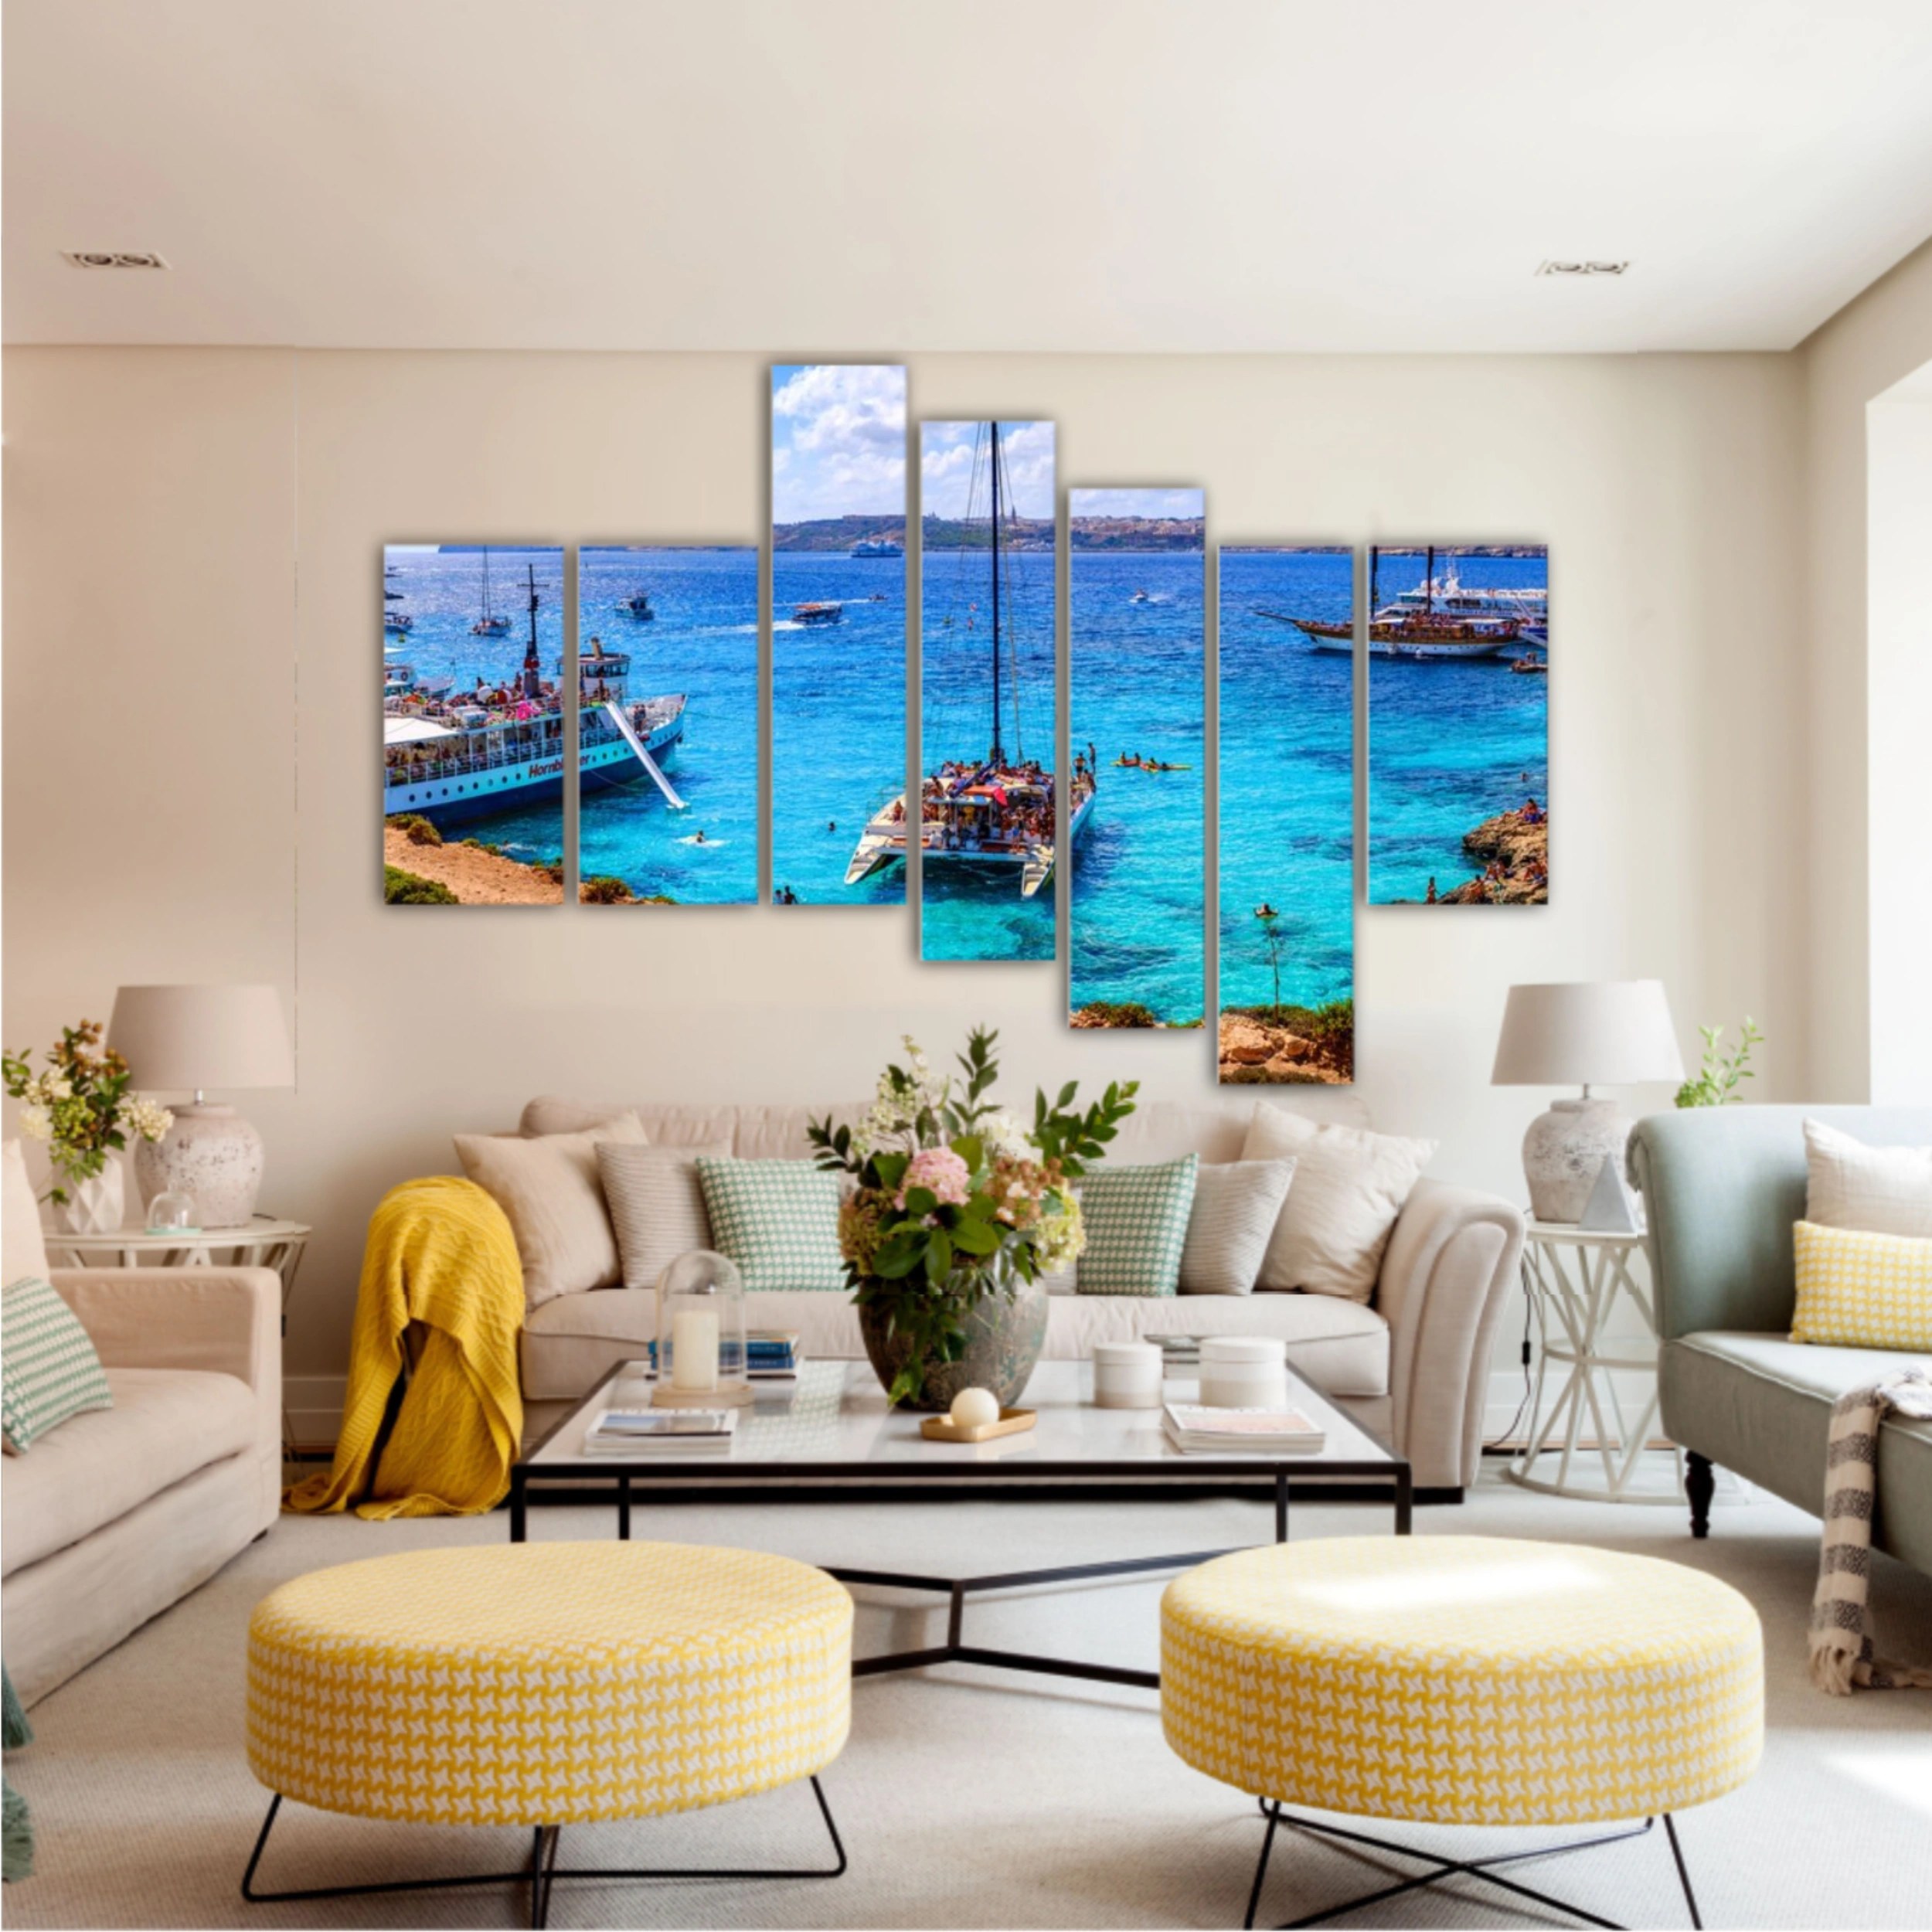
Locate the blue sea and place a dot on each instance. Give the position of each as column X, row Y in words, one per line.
column 1138, row 685
column 703, row 642
column 1450, row 744
column 1286, row 781
column 443, row 596
column 977, row 912
column 837, row 721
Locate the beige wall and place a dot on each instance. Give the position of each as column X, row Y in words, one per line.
column 193, row 544
column 1867, row 347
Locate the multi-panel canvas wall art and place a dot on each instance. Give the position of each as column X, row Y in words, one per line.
column 1286, row 840
column 668, row 725
column 1459, row 725
column 987, row 704
column 837, row 630
column 473, row 725
column 1136, row 573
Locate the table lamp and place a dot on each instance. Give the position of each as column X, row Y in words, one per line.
column 1588, row 1033
column 192, row 1038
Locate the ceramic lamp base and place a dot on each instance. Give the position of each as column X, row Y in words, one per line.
column 211, row 1153
column 1564, row 1151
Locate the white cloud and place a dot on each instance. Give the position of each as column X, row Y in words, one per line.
column 838, row 441
column 946, row 468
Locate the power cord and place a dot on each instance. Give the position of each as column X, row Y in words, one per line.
column 1501, row 1445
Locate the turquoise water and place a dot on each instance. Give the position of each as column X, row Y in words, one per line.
column 703, row 642
column 1450, row 744
column 442, row 594
column 837, row 721
column 1286, row 781
column 977, row 912
column 1137, row 683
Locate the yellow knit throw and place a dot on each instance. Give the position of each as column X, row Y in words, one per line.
column 440, row 1253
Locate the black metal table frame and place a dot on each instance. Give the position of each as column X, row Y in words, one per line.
column 777, row 1482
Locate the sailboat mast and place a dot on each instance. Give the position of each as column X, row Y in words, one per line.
column 532, row 668
column 486, row 582
column 1429, row 583
column 995, row 754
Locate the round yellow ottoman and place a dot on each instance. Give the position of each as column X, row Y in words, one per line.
column 547, row 1684
column 1462, row 1680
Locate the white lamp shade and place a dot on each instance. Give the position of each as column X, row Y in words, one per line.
column 1587, row 1033
column 193, row 1037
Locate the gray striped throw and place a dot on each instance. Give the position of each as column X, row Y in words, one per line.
column 1841, row 1642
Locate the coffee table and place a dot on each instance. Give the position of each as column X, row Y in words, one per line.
column 834, row 1427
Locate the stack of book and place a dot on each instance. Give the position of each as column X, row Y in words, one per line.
column 1178, row 1351
column 1239, row 1432
column 661, row 1432
column 772, row 1354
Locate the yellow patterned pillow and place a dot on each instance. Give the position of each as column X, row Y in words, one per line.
column 1863, row 1290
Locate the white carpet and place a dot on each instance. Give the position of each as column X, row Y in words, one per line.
column 970, row 1798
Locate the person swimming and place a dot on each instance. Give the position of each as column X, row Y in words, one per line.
column 1264, row 910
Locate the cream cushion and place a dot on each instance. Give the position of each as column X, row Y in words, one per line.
column 550, row 1190
column 165, row 1425
column 23, row 1247
column 1236, row 1207
column 1349, row 1186
column 1877, row 1190
column 656, row 1204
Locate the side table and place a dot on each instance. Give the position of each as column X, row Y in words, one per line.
column 262, row 1243
column 1575, row 1278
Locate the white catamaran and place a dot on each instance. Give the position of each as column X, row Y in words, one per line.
column 490, row 622
column 997, row 811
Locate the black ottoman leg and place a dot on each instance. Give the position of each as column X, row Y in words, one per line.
column 1700, row 1485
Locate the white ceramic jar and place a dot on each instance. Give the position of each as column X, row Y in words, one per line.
column 1127, row 1374
column 1243, row 1371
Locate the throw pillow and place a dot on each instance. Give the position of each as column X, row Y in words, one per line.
column 550, row 1190
column 23, row 1248
column 1349, row 1186
column 657, row 1204
column 1136, row 1220
column 1862, row 1290
column 1237, row 1204
column 49, row 1368
column 778, row 1220
column 1883, row 1190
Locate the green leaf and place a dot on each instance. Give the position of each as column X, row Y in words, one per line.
column 939, row 1256
column 975, row 1236
column 921, row 1201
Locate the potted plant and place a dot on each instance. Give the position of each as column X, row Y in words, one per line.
column 957, row 1212
column 1719, row 1076
column 81, row 1108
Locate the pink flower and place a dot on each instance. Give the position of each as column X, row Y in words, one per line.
column 941, row 1172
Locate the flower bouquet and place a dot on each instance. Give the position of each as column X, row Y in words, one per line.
column 81, row 1108
column 957, row 1212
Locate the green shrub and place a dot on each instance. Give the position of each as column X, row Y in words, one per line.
column 1121, row 1013
column 418, row 828
column 605, row 891
column 401, row 888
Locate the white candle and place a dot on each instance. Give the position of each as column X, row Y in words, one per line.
column 694, row 1349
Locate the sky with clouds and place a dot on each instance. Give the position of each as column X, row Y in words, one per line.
column 946, row 469
column 837, row 440
column 1156, row 503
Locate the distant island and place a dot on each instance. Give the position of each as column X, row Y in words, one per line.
column 839, row 532
column 954, row 533
column 1136, row 532
column 833, row 533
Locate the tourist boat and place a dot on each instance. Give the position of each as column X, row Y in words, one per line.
column 397, row 621
column 996, row 811
column 816, row 612
column 639, row 607
column 1438, row 620
column 457, row 756
column 877, row 547
column 490, row 624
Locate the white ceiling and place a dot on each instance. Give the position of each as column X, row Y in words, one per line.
column 881, row 175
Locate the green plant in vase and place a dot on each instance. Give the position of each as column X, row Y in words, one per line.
column 1719, row 1076
column 957, row 1212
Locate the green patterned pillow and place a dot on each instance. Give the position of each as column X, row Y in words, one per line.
column 778, row 1219
column 48, row 1364
column 1136, row 1221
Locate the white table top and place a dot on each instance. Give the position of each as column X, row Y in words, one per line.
column 1569, row 1233
column 256, row 1233
column 836, row 1418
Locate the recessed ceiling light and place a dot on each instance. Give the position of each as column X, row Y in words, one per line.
column 112, row 258
column 1583, row 268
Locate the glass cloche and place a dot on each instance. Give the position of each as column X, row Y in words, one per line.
column 701, row 1334
column 173, row 1212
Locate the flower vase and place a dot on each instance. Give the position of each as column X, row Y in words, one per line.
column 96, row 1205
column 1005, row 1330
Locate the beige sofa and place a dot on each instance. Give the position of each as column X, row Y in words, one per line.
column 115, row 1514
column 1413, row 1365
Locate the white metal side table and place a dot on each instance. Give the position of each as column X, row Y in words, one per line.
column 1576, row 1277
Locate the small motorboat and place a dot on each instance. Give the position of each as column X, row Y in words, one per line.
column 816, row 612
column 639, row 607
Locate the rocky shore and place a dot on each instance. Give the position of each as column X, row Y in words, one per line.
column 1513, row 851
column 1287, row 1046
column 471, row 874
